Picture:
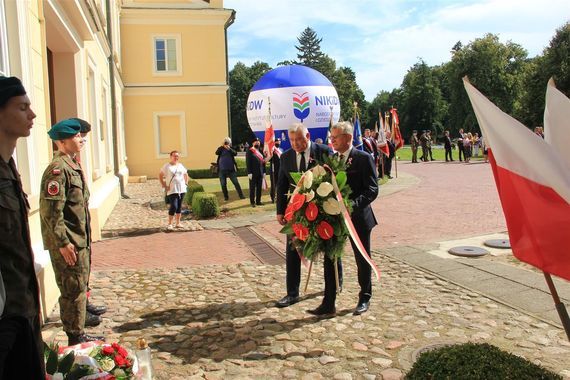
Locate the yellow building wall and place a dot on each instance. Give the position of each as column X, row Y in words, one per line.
column 203, row 53
column 206, row 126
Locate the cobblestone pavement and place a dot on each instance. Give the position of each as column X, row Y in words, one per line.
column 219, row 322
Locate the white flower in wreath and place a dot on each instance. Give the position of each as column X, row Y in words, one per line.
column 319, row 171
column 324, row 189
column 331, row 206
column 309, row 196
column 308, row 179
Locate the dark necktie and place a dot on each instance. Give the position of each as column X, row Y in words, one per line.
column 303, row 164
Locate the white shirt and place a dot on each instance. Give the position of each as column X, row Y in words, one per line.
column 345, row 155
column 307, row 156
column 174, row 176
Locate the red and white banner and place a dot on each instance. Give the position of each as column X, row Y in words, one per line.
column 533, row 179
column 269, row 140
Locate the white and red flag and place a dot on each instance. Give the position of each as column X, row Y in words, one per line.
column 382, row 142
column 533, row 179
column 269, row 140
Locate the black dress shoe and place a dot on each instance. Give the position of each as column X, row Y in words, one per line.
column 323, row 312
column 362, row 307
column 287, row 301
column 74, row 339
column 259, row 204
column 97, row 310
column 92, row 320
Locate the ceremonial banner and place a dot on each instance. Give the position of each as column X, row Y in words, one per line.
column 357, row 135
column 533, row 179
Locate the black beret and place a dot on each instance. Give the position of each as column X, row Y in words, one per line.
column 85, row 126
column 10, row 87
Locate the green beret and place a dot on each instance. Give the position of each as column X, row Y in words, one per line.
column 64, row 129
column 10, row 87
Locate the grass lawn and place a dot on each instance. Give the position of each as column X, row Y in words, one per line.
column 236, row 206
column 405, row 154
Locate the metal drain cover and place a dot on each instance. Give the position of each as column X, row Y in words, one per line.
column 468, row 251
column 498, row 243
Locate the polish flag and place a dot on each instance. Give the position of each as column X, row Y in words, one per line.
column 382, row 142
column 269, row 140
column 533, row 179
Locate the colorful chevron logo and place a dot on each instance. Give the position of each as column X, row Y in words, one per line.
column 301, row 105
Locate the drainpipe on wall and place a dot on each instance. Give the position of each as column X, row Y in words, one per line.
column 115, row 127
column 226, row 26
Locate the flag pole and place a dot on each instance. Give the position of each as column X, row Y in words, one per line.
column 336, row 275
column 392, row 137
column 384, row 132
column 560, row 308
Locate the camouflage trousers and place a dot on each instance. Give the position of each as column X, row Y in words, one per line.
column 72, row 284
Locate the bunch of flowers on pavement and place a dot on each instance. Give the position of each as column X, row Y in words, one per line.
column 89, row 361
column 314, row 214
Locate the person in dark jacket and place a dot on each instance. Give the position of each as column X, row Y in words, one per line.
column 21, row 344
column 447, row 146
column 227, row 168
column 255, row 164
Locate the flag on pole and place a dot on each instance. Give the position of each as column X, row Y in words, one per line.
column 269, row 138
column 382, row 142
column 396, row 134
column 357, row 134
column 532, row 177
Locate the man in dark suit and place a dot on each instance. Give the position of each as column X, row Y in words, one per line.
column 274, row 164
column 363, row 181
column 255, row 164
column 447, row 146
column 302, row 156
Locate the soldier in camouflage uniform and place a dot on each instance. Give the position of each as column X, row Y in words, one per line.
column 414, row 143
column 20, row 331
column 65, row 227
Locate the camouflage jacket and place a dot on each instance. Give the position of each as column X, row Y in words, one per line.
column 16, row 255
column 64, row 211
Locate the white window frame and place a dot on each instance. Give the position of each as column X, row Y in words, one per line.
column 156, row 126
column 177, row 38
column 95, row 137
column 4, row 61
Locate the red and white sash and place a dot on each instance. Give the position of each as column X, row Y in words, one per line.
column 257, row 154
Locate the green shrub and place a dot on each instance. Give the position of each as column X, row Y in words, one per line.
column 200, row 173
column 475, row 362
column 193, row 187
column 205, row 205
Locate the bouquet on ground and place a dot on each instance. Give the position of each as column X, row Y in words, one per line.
column 314, row 214
column 89, row 361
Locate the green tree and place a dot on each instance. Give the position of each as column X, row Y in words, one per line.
column 309, row 48
column 382, row 103
column 422, row 106
column 494, row 68
column 242, row 79
column 553, row 63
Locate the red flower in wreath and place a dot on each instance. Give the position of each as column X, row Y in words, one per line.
column 325, row 230
column 311, row 211
column 301, row 231
column 297, row 201
column 108, row 350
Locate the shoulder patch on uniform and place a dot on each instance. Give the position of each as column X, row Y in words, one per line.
column 56, row 171
column 53, row 188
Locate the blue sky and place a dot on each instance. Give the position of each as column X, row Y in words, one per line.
column 380, row 40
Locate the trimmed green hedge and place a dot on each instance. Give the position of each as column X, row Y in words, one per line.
column 205, row 205
column 471, row 361
column 193, row 187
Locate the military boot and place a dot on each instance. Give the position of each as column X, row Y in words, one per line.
column 97, row 310
column 92, row 320
column 74, row 339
